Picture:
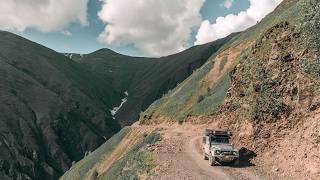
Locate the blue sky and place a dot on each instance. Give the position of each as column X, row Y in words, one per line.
column 84, row 38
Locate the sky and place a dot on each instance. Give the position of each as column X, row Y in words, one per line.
column 132, row 27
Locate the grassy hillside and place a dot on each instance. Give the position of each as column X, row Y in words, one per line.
column 205, row 91
column 267, row 93
column 121, row 157
column 54, row 109
column 264, row 80
column 145, row 79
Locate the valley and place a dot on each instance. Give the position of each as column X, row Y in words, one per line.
column 262, row 85
column 105, row 115
column 55, row 109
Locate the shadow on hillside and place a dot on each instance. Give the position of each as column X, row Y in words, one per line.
column 246, row 155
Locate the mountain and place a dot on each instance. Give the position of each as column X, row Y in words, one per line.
column 213, row 85
column 263, row 84
column 54, row 109
column 145, row 79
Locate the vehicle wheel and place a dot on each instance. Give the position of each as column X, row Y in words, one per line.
column 236, row 162
column 212, row 161
column 204, row 156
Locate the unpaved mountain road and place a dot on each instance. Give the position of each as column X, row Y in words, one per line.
column 179, row 156
column 194, row 150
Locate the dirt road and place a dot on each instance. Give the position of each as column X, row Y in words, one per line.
column 179, row 156
column 193, row 150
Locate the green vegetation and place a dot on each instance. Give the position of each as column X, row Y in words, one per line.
column 192, row 98
column 262, row 84
column 79, row 169
column 173, row 105
column 134, row 163
column 271, row 89
column 311, row 67
column 287, row 11
column 58, row 110
column 212, row 99
column 310, row 25
column 90, row 83
column 146, row 79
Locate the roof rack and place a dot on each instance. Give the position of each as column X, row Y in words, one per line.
column 218, row 133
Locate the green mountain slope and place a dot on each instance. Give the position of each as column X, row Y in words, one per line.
column 261, row 84
column 145, row 79
column 52, row 110
column 205, row 91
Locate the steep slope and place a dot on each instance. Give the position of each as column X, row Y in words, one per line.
column 52, row 110
column 143, row 79
column 204, row 92
column 55, row 109
column 146, row 79
column 263, row 85
column 124, row 150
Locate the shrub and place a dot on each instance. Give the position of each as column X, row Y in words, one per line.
column 200, row 98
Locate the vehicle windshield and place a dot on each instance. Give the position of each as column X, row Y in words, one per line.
column 219, row 139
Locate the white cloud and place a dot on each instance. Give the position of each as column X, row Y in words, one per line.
column 228, row 4
column 43, row 15
column 66, row 33
column 234, row 23
column 156, row 27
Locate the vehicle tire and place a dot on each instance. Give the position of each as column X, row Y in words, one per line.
column 212, row 161
column 236, row 162
column 204, row 156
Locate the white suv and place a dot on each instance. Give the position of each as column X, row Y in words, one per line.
column 216, row 148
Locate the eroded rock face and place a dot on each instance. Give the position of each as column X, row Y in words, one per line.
column 270, row 77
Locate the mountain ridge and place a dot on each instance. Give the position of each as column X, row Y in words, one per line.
column 262, row 85
column 55, row 110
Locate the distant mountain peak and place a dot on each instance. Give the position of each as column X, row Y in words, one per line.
column 106, row 51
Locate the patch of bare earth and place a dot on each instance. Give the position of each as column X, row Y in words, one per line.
column 296, row 155
column 285, row 150
column 231, row 55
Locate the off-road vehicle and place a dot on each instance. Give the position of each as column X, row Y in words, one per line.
column 217, row 149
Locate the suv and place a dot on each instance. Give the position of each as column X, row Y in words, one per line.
column 216, row 148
